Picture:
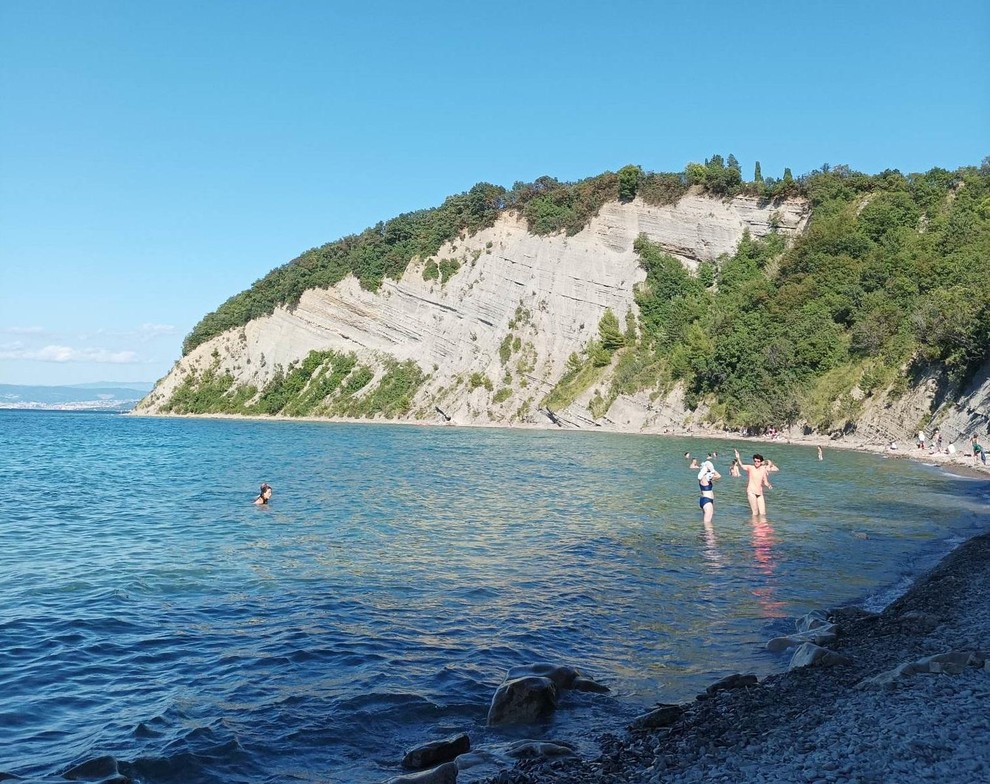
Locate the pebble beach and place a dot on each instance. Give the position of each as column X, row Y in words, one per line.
column 907, row 701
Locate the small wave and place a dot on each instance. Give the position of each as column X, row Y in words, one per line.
column 883, row 598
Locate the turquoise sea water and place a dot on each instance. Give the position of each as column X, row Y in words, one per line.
column 150, row 613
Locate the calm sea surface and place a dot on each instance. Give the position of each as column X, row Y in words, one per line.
column 150, row 613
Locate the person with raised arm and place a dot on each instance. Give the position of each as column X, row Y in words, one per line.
column 758, row 478
column 706, row 484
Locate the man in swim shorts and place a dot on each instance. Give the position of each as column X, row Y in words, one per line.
column 757, row 479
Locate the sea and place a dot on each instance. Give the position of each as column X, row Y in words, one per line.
column 157, row 625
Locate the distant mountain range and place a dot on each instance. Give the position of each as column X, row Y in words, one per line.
column 99, row 396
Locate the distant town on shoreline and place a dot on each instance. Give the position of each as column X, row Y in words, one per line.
column 99, row 396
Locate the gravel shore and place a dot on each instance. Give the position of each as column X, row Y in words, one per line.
column 926, row 723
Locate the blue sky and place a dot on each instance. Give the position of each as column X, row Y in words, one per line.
column 157, row 158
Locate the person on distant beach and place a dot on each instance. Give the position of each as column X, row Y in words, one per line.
column 820, row 455
column 758, row 476
column 979, row 453
column 937, row 440
column 706, row 484
column 264, row 495
column 921, row 439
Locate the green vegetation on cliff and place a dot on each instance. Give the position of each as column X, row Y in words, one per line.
column 891, row 272
column 325, row 383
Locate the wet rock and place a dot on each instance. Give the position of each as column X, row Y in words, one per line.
column 821, row 636
column 534, row 749
column 97, row 768
column 562, row 676
column 435, row 752
column 442, row 774
column 586, row 684
column 735, row 681
column 523, row 700
column 813, row 620
column 811, row 655
column 663, row 716
column 951, row 663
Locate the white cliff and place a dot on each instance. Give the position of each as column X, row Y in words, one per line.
column 546, row 293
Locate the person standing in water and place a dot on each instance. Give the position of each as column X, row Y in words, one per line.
column 820, row 455
column 264, row 494
column 757, row 479
column 706, row 484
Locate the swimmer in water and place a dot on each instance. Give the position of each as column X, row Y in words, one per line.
column 264, row 495
column 706, row 484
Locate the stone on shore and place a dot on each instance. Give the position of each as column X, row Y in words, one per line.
column 663, row 716
column 951, row 663
column 920, row 622
column 821, row 635
column 735, row 681
column 811, row 655
column 534, row 749
column 813, row 620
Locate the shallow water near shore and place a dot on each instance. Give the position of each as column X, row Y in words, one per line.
column 150, row 612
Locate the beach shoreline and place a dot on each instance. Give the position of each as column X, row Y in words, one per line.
column 887, row 712
column 959, row 463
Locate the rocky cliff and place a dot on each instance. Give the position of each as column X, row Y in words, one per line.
column 490, row 326
column 494, row 337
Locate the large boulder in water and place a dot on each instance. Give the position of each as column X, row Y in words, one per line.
column 530, row 692
column 523, row 700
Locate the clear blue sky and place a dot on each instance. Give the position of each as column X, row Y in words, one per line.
column 158, row 157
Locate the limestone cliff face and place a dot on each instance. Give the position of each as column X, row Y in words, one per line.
column 547, row 294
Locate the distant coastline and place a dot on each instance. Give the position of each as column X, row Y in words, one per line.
column 114, row 406
column 104, row 396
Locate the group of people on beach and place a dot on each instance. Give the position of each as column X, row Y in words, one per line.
column 934, row 445
column 757, row 481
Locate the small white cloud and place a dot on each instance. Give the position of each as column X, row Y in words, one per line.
column 68, row 354
column 52, row 354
